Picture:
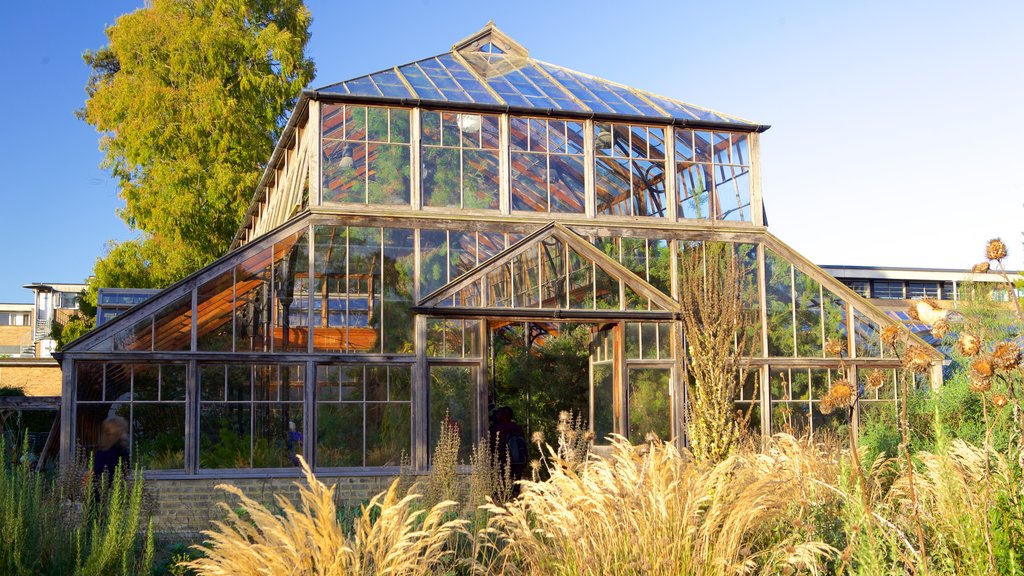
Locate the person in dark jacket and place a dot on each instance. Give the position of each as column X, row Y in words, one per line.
column 111, row 450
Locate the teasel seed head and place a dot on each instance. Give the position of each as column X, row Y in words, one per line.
column 980, row 268
column 834, row 347
column 876, row 379
column 891, row 334
column 916, row 359
column 980, row 384
column 940, row 328
column 995, row 249
column 982, row 368
column 1006, row 356
column 968, row 344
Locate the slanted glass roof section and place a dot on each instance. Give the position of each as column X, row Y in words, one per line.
column 490, row 68
column 552, row 269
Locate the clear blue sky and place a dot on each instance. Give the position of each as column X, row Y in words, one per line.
column 896, row 126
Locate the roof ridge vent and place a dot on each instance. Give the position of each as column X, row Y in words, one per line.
column 491, row 40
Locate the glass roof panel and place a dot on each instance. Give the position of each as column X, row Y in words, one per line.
column 680, row 110
column 466, row 80
column 362, row 87
column 577, row 89
column 390, row 84
column 424, row 88
column 498, row 72
column 555, row 92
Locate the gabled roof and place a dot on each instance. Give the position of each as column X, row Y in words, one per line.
column 490, row 69
column 552, row 269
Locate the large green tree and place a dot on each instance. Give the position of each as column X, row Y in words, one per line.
column 190, row 96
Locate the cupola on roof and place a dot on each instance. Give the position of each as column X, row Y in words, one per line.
column 491, row 69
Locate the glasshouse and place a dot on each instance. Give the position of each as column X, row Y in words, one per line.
column 471, row 230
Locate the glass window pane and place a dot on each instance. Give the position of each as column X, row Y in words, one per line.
column 339, row 432
column 158, row 435
column 649, row 403
column 808, row 315
column 215, row 310
column 453, row 402
column 388, row 434
column 780, row 305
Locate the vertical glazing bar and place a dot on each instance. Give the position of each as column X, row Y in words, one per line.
column 821, row 316
column 68, row 398
column 309, row 414
column 416, row 196
column 195, row 320
column 504, row 167
column 792, row 304
column 851, row 328
column 621, row 382
column 756, row 205
column 315, row 149
column 671, row 194
column 310, row 278
column 589, row 170
column 192, row 418
column 420, row 396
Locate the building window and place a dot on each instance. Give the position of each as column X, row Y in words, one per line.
column 250, row 415
column 861, row 287
column 460, row 160
column 547, row 165
column 364, row 415
column 68, row 300
column 948, row 291
column 887, row 289
column 630, row 169
column 365, row 154
column 14, row 319
column 923, row 290
column 713, row 175
column 151, row 400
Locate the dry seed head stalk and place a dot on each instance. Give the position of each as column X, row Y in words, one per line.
column 981, row 368
column 968, row 344
column 980, row 268
column 834, row 347
column 891, row 334
column 876, row 379
column 940, row 328
column 995, row 249
column 980, row 384
column 916, row 359
column 827, row 404
column 841, row 393
column 999, row 400
column 1006, row 356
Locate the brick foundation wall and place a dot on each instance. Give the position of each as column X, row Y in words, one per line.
column 37, row 378
column 188, row 505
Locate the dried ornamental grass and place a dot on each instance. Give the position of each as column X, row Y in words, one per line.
column 995, row 249
column 660, row 513
column 391, row 536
